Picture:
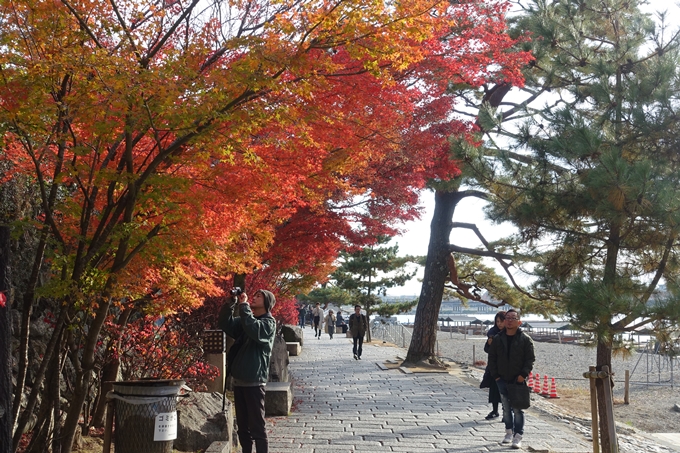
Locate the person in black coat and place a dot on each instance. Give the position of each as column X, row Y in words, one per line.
column 302, row 313
column 511, row 359
column 494, row 393
column 358, row 325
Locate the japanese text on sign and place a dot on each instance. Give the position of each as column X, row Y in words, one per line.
column 166, row 426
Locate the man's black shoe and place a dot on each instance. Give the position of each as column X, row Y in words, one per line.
column 355, row 357
column 492, row 415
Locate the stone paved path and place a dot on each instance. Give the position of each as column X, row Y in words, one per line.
column 344, row 405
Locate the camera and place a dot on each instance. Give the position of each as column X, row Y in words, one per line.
column 235, row 292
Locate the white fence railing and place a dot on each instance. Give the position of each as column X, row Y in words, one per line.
column 397, row 334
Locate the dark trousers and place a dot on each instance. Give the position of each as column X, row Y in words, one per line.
column 494, row 395
column 358, row 343
column 249, row 405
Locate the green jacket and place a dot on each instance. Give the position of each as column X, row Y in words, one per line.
column 251, row 363
column 509, row 364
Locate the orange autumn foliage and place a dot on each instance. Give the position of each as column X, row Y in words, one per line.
column 176, row 144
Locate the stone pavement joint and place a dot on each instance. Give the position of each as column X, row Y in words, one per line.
column 346, row 405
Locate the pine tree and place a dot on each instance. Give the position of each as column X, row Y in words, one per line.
column 590, row 179
column 370, row 271
column 603, row 172
column 325, row 295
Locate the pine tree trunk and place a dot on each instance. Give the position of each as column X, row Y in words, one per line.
column 424, row 337
column 604, row 357
column 604, row 343
column 6, row 419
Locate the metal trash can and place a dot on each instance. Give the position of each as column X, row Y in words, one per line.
column 145, row 415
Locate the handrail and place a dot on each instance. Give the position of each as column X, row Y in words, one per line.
column 395, row 333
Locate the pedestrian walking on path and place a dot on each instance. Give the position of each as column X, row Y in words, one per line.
column 487, row 381
column 330, row 323
column 358, row 325
column 317, row 316
column 511, row 359
column 302, row 313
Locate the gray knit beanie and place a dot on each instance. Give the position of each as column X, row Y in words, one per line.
column 269, row 299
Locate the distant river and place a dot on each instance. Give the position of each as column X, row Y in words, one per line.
column 410, row 319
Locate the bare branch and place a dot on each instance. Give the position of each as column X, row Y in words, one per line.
column 83, row 23
column 161, row 42
column 499, row 257
column 463, row 289
column 477, row 252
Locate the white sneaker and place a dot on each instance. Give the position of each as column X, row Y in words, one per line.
column 508, row 436
column 517, row 441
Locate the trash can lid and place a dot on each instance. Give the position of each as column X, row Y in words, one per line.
column 148, row 387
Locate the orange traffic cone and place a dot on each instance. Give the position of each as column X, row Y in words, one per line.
column 530, row 383
column 546, row 390
column 553, row 389
column 537, row 384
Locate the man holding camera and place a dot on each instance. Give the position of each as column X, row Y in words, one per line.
column 248, row 360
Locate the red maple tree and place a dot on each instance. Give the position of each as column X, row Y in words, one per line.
column 172, row 148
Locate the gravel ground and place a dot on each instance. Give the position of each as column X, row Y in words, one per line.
column 652, row 406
